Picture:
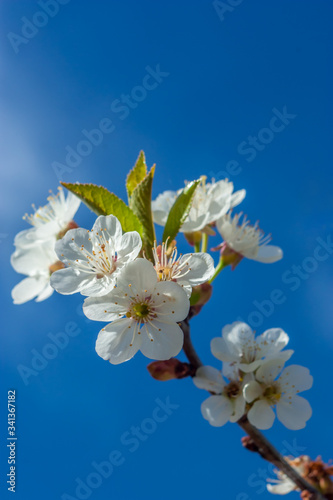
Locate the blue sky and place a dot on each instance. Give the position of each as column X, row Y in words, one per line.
column 221, row 79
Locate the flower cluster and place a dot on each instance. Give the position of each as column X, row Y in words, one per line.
column 211, row 201
column 34, row 253
column 257, row 382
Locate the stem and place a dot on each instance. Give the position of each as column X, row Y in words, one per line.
column 204, row 242
column 221, row 265
column 188, row 347
column 265, row 449
column 197, row 247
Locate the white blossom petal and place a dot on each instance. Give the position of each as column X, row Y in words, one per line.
column 118, row 342
column 296, row 378
column 267, row 254
column 106, row 308
column 173, row 300
column 167, row 340
column 252, row 391
column 209, row 378
column 293, row 412
column 261, row 415
column 220, row 349
column 281, row 488
column 28, row 289
column 199, row 268
column 217, row 410
column 269, row 370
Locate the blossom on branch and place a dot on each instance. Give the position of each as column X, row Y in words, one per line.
column 187, row 270
column 240, row 348
column 210, row 202
column 94, row 258
column 227, row 402
column 143, row 312
column 50, row 221
column 243, row 240
column 37, row 262
column 271, row 389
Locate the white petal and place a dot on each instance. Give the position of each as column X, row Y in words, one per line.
column 261, row 415
column 294, row 412
column 217, row 410
column 272, row 341
column 68, row 248
column 237, row 198
column 252, row 391
column 209, row 378
column 140, row 274
column 172, row 301
column 114, row 341
column 296, row 378
column 166, row 343
column 199, row 268
column 73, row 203
column 281, row 488
column 128, row 247
column 162, row 205
column 107, row 308
column 220, row 349
column 28, row 288
column 267, row 254
column 34, row 259
column 109, row 225
column 269, row 370
column 67, row 281
column 45, row 294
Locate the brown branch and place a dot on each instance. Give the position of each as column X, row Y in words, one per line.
column 260, row 443
column 267, row 451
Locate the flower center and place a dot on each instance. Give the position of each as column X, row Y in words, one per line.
column 168, row 267
column 232, row 390
column 141, row 310
column 272, row 393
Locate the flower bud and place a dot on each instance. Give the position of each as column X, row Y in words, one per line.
column 193, row 238
column 169, row 369
column 201, row 294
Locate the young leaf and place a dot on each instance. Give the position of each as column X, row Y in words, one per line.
column 140, row 203
column 137, row 174
column 102, row 202
column 179, row 211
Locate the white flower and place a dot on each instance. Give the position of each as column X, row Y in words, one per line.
column 37, row 263
column 239, row 347
column 210, row 202
column 227, row 404
column 187, row 270
column 94, row 257
column 49, row 221
column 144, row 314
column 267, row 391
column 244, row 240
column 283, row 485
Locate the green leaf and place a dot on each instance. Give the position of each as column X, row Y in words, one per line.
column 179, row 211
column 137, row 174
column 102, row 202
column 140, row 203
